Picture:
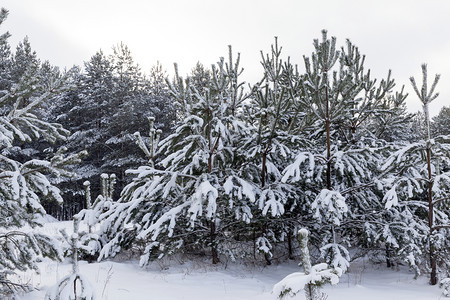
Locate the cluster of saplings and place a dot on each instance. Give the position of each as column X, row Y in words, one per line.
column 206, row 165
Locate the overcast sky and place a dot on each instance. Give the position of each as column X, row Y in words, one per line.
column 394, row 34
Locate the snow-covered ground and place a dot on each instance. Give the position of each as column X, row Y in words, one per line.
column 200, row 280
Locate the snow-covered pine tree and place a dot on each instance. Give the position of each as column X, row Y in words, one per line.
column 193, row 196
column 84, row 111
column 46, row 76
column 337, row 173
column 200, row 77
column 391, row 121
column 5, row 57
column 417, row 189
column 273, row 113
column 157, row 88
column 89, row 242
column 440, row 124
column 111, row 99
column 23, row 57
column 129, row 108
column 23, row 184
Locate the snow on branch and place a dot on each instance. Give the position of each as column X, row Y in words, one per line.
column 297, row 170
column 331, row 205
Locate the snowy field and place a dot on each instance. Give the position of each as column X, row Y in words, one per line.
column 200, row 280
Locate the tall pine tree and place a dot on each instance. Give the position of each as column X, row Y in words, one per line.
column 23, row 183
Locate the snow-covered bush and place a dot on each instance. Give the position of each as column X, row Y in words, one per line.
column 90, row 243
column 73, row 286
column 311, row 279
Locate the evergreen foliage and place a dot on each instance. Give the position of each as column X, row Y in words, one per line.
column 111, row 100
column 224, row 170
column 324, row 149
column 300, row 149
column 24, row 182
column 440, row 124
column 417, row 196
column 74, row 286
column 339, row 172
column 184, row 200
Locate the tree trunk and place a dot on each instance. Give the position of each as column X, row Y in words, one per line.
column 389, row 263
column 263, row 169
column 290, row 249
column 433, row 266
column 214, row 253
column 327, row 126
column 266, row 255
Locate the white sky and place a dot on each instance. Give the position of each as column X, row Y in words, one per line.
column 394, row 34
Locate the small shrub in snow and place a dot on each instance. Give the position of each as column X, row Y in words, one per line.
column 309, row 281
column 74, row 286
column 90, row 243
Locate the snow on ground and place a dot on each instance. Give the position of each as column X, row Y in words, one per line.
column 199, row 280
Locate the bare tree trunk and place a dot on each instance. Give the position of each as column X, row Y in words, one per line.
column 389, row 262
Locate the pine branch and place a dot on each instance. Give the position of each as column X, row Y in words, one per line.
column 355, row 188
column 441, row 199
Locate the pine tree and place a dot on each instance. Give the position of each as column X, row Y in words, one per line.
column 85, row 110
column 157, row 89
column 129, row 109
column 272, row 111
column 111, row 100
column 188, row 199
column 440, row 124
column 24, row 56
column 5, row 57
column 417, row 195
column 391, row 122
column 23, row 183
column 339, row 170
